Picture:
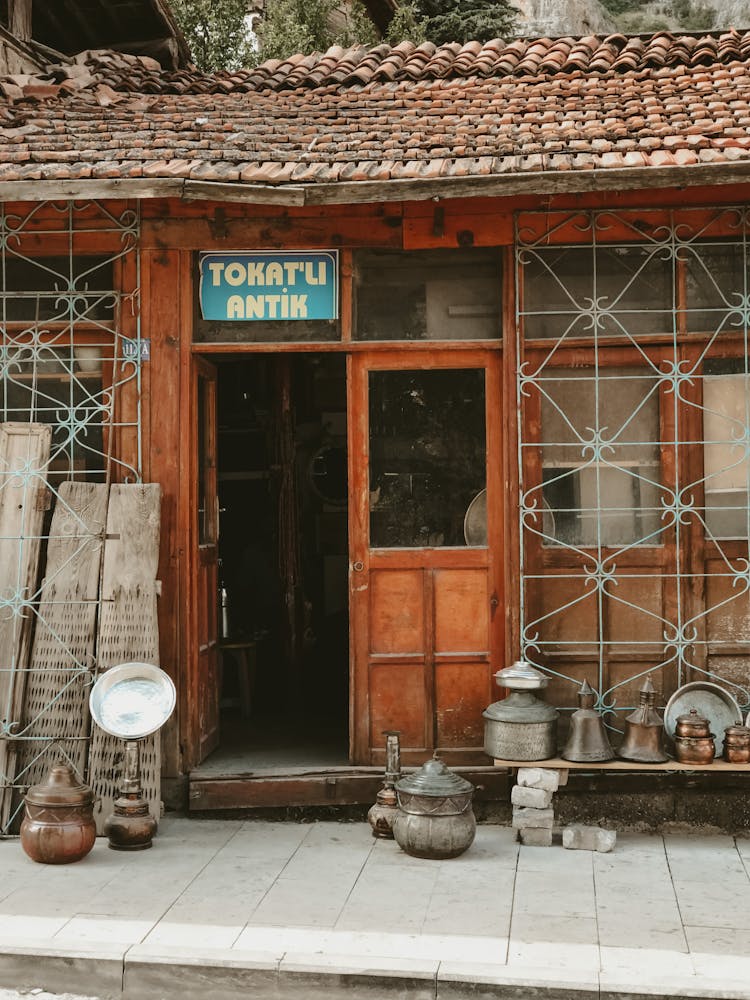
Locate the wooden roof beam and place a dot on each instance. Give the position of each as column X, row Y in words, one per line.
column 19, row 19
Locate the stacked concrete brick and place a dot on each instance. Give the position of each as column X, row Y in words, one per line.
column 533, row 812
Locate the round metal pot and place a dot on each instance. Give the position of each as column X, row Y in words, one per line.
column 435, row 818
column 692, row 725
column 508, row 740
column 737, row 745
column 521, row 726
column 699, row 750
column 58, row 826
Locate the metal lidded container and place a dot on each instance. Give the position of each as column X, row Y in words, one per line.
column 435, row 818
column 58, row 826
column 737, row 744
column 521, row 726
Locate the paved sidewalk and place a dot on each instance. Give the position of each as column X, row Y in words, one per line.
column 223, row 908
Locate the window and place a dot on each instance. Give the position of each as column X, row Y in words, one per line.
column 600, row 456
column 428, row 295
column 427, row 455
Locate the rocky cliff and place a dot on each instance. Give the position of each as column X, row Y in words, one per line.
column 557, row 17
column 582, row 17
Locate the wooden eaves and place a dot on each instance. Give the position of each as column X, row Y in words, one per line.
column 364, row 192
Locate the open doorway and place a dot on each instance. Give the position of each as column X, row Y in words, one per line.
column 283, row 549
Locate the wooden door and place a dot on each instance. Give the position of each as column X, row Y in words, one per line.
column 427, row 618
column 205, row 508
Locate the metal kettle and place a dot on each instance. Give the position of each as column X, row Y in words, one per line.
column 587, row 737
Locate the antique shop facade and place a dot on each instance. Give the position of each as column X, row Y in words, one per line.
column 522, row 428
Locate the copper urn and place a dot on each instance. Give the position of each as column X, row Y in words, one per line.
column 693, row 739
column 58, row 826
column 737, row 745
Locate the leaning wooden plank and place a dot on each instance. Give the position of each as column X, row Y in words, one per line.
column 55, row 709
column 24, row 454
column 128, row 630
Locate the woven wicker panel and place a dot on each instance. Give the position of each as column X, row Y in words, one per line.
column 128, row 631
column 24, row 453
column 55, row 711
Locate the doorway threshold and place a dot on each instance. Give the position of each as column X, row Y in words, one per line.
column 300, row 785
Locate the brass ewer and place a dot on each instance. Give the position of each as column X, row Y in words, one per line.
column 644, row 730
column 587, row 737
column 383, row 813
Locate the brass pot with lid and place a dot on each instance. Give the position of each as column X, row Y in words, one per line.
column 58, row 826
column 693, row 739
column 521, row 726
column 435, row 818
column 693, row 725
column 737, row 744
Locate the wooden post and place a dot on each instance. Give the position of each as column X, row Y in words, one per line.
column 19, row 19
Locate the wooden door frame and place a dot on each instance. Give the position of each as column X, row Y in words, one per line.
column 195, row 368
column 429, row 358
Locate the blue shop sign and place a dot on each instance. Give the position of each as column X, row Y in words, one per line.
column 244, row 287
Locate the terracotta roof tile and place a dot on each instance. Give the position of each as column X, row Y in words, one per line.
column 403, row 112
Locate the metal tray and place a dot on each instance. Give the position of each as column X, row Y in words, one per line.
column 712, row 701
column 132, row 700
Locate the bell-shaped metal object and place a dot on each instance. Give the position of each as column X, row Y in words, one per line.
column 587, row 737
column 644, row 730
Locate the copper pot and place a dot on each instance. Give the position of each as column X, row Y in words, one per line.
column 695, row 750
column 692, row 725
column 737, row 744
column 58, row 826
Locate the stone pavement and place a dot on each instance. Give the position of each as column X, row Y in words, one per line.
column 227, row 908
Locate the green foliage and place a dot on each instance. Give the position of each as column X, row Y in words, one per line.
column 620, row 6
column 466, row 20
column 407, row 24
column 290, row 26
column 219, row 36
column 216, row 31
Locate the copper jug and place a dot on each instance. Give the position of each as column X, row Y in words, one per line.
column 587, row 737
column 58, row 826
column 643, row 730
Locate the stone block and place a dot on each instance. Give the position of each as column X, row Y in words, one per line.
column 537, row 798
column 528, row 817
column 547, row 778
column 535, row 837
column 588, row 838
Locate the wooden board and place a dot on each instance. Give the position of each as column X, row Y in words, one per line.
column 128, row 630
column 557, row 763
column 23, row 448
column 55, row 710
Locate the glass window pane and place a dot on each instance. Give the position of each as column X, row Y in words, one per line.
column 716, row 285
column 62, row 387
column 726, row 399
column 61, row 289
column 428, row 295
column 600, row 457
column 630, row 286
column 427, row 455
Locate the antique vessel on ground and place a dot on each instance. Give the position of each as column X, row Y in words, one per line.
column 385, row 810
column 435, row 818
column 58, row 826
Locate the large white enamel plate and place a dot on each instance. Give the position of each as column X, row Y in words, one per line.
column 132, row 700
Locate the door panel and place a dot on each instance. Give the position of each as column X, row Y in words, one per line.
column 425, row 636
column 205, row 533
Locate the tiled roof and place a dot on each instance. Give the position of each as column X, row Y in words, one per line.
column 403, row 113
